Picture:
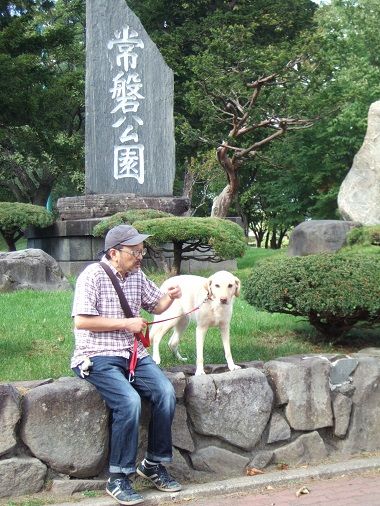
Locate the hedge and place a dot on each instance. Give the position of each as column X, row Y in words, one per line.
column 334, row 291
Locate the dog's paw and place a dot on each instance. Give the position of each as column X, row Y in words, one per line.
column 234, row 367
column 199, row 372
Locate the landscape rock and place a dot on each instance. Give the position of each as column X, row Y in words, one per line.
column 342, row 369
column 30, row 269
column 307, row 408
column 342, row 406
column 21, row 476
column 359, row 194
column 70, row 440
column 364, row 430
column 306, row 449
column 219, row 461
column 261, row 459
column 178, row 380
column 181, row 433
column 319, row 236
column 10, row 414
column 279, row 429
column 215, row 404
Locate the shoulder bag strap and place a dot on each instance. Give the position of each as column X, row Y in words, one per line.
column 128, row 313
column 119, row 291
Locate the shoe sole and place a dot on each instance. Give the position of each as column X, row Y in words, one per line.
column 126, row 503
column 176, row 489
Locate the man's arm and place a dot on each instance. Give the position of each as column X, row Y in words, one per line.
column 173, row 292
column 104, row 324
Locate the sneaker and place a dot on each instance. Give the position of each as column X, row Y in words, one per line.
column 159, row 476
column 121, row 490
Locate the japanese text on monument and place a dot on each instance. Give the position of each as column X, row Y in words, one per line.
column 126, row 92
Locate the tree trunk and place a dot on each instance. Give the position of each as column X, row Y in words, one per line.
column 10, row 240
column 267, row 240
column 158, row 259
column 223, row 201
column 273, row 239
column 177, row 253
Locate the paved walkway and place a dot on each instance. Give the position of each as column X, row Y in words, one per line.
column 355, row 482
column 345, row 491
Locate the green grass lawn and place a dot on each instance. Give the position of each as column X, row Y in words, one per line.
column 36, row 338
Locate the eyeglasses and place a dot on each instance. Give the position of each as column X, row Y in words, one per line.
column 136, row 254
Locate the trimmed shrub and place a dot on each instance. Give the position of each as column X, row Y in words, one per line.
column 127, row 217
column 334, row 291
column 364, row 236
column 222, row 239
column 16, row 217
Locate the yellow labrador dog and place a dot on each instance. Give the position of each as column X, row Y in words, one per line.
column 214, row 296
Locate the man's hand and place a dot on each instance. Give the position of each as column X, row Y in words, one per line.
column 135, row 324
column 174, row 292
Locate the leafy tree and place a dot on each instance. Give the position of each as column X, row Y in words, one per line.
column 345, row 80
column 15, row 217
column 41, row 96
column 212, row 45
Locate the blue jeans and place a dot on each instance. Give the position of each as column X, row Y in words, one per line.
column 110, row 377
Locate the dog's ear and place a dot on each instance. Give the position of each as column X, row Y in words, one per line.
column 237, row 289
column 207, row 286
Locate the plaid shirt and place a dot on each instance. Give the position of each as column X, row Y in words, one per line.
column 95, row 295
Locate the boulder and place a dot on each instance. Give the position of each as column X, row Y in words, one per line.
column 10, row 414
column 279, row 429
column 65, row 424
column 364, row 428
column 302, row 383
column 306, row 449
column 220, row 461
column 181, row 434
column 359, row 194
column 21, row 476
column 31, row 269
column 233, row 406
column 319, row 236
column 342, row 411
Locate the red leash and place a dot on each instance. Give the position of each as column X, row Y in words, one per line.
column 145, row 339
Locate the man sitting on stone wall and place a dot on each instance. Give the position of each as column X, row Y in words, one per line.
column 103, row 355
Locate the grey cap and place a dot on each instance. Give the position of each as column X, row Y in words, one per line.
column 123, row 234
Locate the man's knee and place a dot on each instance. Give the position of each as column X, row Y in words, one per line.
column 130, row 403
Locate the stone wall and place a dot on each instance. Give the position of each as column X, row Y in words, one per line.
column 289, row 411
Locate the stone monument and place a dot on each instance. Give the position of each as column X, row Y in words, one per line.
column 359, row 194
column 129, row 106
column 129, row 142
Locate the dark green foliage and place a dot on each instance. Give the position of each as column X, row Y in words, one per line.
column 15, row 217
column 220, row 239
column 334, row 291
column 127, row 217
column 364, row 236
column 223, row 236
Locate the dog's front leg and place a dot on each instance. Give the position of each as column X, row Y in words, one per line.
column 200, row 338
column 225, row 333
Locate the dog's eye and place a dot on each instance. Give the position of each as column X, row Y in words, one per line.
column 230, row 285
column 217, row 286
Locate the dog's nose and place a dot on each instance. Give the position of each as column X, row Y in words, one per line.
column 223, row 300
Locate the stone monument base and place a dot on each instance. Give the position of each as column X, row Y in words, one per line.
column 102, row 205
column 70, row 243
